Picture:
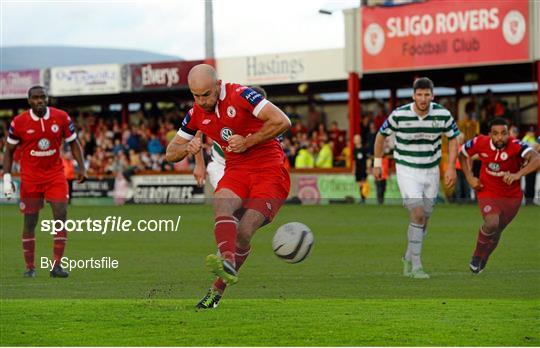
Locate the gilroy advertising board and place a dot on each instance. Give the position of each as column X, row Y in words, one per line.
column 441, row 33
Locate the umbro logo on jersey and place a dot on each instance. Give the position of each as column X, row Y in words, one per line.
column 30, row 131
column 484, row 155
column 226, row 133
column 206, row 121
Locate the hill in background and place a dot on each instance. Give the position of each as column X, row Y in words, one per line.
column 39, row 57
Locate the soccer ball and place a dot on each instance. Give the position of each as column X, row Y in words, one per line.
column 292, row 242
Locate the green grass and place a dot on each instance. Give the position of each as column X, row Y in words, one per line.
column 348, row 292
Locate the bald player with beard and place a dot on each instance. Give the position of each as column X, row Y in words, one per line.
column 245, row 125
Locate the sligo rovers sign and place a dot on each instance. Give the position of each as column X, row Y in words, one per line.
column 441, row 33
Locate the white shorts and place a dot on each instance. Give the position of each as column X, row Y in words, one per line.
column 215, row 172
column 418, row 187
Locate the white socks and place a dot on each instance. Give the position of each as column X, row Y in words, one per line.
column 415, row 237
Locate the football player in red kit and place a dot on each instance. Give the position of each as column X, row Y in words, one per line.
column 245, row 125
column 498, row 188
column 39, row 134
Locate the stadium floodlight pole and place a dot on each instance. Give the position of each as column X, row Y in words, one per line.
column 209, row 29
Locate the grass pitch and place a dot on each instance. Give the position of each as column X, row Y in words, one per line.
column 349, row 291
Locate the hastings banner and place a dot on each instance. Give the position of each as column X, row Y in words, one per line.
column 440, row 33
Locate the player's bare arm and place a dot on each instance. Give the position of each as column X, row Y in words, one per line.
column 275, row 123
column 533, row 164
column 378, row 154
column 450, row 175
column 199, row 172
column 8, row 186
column 77, row 152
column 179, row 148
column 473, row 181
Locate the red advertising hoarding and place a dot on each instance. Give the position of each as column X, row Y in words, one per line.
column 162, row 75
column 440, row 33
column 15, row 84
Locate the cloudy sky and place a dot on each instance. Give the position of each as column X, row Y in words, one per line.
column 175, row 27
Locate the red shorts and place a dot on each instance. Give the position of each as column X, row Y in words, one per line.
column 506, row 208
column 33, row 194
column 261, row 189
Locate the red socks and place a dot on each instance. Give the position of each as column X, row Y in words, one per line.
column 58, row 247
column 225, row 233
column 485, row 244
column 29, row 247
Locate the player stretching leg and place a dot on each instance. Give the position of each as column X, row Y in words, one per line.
column 38, row 133
column 245, row 125
column 418, row 128
column 498, row 188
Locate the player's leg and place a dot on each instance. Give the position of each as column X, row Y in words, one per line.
column 411, row 188
column 30, row 205
column 29, row 243
column 268, row 195
column 487, row 235
column 508, row 208
column 226, row 202
column 59, row 210
column 57, row 194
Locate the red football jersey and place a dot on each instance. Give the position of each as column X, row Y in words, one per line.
column 39, row 141
column 496, row 163
column 235, row 113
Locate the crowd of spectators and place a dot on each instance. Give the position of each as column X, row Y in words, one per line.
column 111, row 146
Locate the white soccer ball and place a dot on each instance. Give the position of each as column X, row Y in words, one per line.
column 292, row 242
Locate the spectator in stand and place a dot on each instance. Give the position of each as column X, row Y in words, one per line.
column 381, row 115
column 325, row 157
column 487, row 111
column 154, row 145
column 133, row 141
column 314, row 117
column 344, row 157
column 119, row 147
column 305, row 158
column 337, row 137
column 321, row 133
column 468, row 126
column 293, row 115
column 290, row 151
column 298, row 128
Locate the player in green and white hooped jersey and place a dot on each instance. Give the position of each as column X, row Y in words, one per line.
column 418, row 128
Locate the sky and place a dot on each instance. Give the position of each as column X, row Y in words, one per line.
column 176, row 27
